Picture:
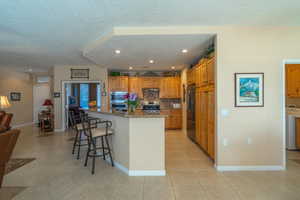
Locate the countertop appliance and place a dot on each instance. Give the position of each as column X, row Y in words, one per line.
column 191, row 114
column 118, row 101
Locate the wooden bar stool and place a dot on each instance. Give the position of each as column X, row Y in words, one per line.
column 102, row 132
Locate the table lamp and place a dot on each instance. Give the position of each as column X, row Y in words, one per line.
column 4, row 103
column 48, row 103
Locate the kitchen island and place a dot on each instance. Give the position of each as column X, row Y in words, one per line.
column 138, row 142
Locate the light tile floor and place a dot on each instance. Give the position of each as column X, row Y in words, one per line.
column 57, row 175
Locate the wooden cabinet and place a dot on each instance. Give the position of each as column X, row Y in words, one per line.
column 170, row 87
column 203, row 119
column 173, row 119
column 293, row 80
column 210, row 67
column 297, row 124
column 135, row 86
column 198, row 115
column 150, row 82
column 205, row 106
column 203, row 74
column 118, row 83
column 191, row 76
column 211, row 124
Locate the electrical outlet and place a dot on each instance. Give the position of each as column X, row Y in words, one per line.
column 225, row 142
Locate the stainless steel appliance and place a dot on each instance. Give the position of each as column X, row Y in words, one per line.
column 151, row 103
column 118, row 101
column 191, row 114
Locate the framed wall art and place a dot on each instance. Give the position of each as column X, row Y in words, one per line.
column 80, row 73
column 249, row 89
column 15, row 96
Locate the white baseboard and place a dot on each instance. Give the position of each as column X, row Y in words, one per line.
column 138, row 172
column 251, row 168
column 22, row 125
column 147, row 173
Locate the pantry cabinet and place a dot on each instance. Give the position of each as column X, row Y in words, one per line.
column 297, row 125
column 293, row 80
column 205, row 106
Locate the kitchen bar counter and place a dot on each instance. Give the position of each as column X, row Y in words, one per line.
column 138, row 142
column 137, row 114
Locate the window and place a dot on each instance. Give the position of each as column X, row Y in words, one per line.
column 84, row 95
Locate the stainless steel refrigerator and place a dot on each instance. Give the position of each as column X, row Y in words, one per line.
column 191, row 112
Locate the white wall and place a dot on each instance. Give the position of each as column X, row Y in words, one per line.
column 15, row 81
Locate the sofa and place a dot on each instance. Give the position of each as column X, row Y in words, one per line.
column 5, row 120
column 8, row 141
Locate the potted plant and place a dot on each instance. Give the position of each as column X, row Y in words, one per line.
column 132, row 102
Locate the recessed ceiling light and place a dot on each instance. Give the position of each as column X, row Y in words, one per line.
column 173, row 67
column 151, row 61
column 117, row 51
column 184, row 50
column 130, row 68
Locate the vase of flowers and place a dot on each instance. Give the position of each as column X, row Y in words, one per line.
column 132, row 102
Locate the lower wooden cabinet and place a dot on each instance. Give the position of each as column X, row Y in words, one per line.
column 173, row 119
column 297, row 123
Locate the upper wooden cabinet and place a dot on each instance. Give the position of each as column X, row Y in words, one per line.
column 135, row 86
column 170, row 87
column 118, row 83
column 293, row 80
column 150, row 82
column 210, row 67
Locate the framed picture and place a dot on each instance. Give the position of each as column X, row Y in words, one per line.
column 249, row 89
column 15, row 96
column 56, row 94
column 80, row 73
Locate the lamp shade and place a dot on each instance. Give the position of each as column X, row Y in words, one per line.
column 4, row 103
column 48, row 102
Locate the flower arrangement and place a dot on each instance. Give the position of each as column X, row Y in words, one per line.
column 132, row 101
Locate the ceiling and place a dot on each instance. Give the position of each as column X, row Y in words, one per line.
column 42, row 33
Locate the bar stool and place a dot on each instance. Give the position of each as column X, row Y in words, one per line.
column 103, row 130
column 79, row 140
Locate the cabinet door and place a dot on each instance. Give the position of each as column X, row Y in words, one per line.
column 203, row 74
column 297, row 122
column 293, row 80
column 211, row 124
column 198, row 115
column 176, row 118
column 203, row 119
column 135, row 86
column 123, row 83
column 211, row 71
column 118, row 83
column 113, row 83
column 197, row 76
column 163, row 88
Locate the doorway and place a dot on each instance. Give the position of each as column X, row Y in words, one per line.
column 78, row 95
column 41, row 92
column 292, row 111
